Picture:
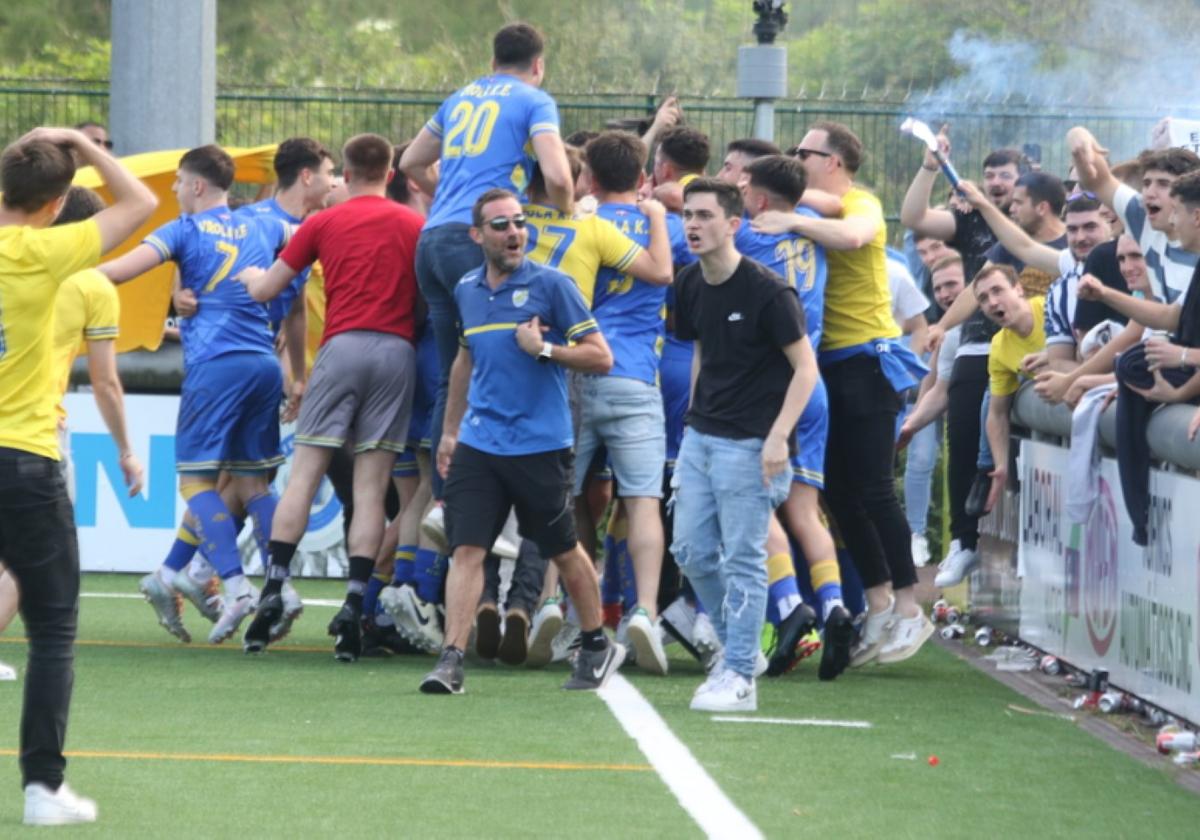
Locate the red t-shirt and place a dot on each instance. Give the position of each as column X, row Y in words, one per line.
column 367, row 247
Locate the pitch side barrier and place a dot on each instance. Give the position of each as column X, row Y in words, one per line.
column 1083, row 591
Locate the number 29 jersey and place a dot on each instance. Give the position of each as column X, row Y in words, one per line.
column 211, row 249
column 486, row 129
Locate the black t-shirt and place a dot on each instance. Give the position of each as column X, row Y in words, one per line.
column 1102, row 264
column 1000, row 255
column 742, row 326
column 972, row 239
column 1188, row 334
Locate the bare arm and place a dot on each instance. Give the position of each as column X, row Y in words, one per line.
column 419, row 159
column 1020, row 244
column 918, row 216
column 295, row 335
column 552, row 159
column 133, row 264
column 930, row 407
column 998, row 429
column 917, row 328
column 110, row 400
column 265, row 285
column 1055, row 386
column 1094, row 174
column 654, row 264
column 1150, row 313
column 826, row 203
column 848, row 234
column 667, row 116
column 800, row 388
column 589, row 354
column 456, row 407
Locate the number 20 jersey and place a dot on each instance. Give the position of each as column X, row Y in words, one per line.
column 486, row 129
column 211, row 249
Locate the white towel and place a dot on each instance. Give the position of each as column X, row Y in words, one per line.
column 1083, row 462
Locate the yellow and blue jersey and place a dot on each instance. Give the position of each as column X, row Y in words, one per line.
column 517, row 405
column 278, row 307
column 87, row 309
column 486, row 129
column 211, row 249
column 578, row 248
column 630, row 311
column 798, row 260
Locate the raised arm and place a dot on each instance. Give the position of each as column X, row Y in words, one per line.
column 1150, row 313
column 133, row 264
column 556, row 170
column 915, row 212
column 419, row 159
column 1091, row 166
column 654, row 264
column 1020, row 244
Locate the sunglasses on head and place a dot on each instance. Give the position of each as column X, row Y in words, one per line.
column 1082, row 194
column 499, row 223
column 805, row 154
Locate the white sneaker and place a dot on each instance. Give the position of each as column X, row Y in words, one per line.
column 433, row 526
column 166, row 606
column 56, row 807
column 622, row 638
column 7, row 673
column 416, row 620
column 508, row 545
column 875, row 634
column 920, row 550
column 729, row 692
column 644, row 636
column 292, row 608
column 704, row 639
column 907, row 636
column 957, row 565
column 233, row 612
column 717, row 665
column 547, row 622
column 681, row 616
column 204, row 598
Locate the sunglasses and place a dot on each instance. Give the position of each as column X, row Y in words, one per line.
column 108, row 144
column 1082, row 194
column 805, row 154
column 501, row 223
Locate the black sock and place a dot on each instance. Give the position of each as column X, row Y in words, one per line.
column 360, row 573
column 280, row 554
column 594, row 639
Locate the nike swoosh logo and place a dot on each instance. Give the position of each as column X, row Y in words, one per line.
column 597, row 673
column 421, row 617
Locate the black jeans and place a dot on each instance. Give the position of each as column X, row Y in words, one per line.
column 40, row 550
column 859, row 482
column 526, row 587
column 968, row 385
column 1133, row 449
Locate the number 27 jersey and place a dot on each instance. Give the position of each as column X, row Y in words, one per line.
column 211, row 249
column 486, row 129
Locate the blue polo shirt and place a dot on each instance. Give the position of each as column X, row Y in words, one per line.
column 516, row 404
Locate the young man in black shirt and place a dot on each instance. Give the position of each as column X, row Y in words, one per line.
column 753, row 372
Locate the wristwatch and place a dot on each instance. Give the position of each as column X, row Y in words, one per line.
column 544, row 354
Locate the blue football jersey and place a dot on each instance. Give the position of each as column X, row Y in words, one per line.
column 278, row 307
column 798, row 260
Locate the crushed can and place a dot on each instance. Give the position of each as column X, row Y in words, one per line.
column 937, row 613
column 1187, row 759
column 983, row 636
column 953, row 631
column 1051, row 666
column 1115, row 702
column 1172, row 739
column 954, row 615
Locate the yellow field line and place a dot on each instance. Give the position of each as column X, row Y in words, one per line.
column 18, row 640
column 368, row 761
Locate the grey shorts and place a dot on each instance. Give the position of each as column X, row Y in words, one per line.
column 626, row 417
column 361, row 390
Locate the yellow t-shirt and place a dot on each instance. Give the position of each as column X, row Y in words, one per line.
column 314, row 305
column 87, row 309
column 858, row 301
column 33, row 264
column 1008, row 349
column 577, row 247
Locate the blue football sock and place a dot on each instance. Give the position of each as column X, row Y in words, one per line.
column 405, row 570
column 610, row 584
column 217, row 528
column 370, row 604
column 262, row 510
column 183, row 549
column 629, row 596
column 430, row 568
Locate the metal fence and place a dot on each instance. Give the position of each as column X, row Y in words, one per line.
column 247, row 116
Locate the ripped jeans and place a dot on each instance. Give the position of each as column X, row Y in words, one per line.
column 722, row 510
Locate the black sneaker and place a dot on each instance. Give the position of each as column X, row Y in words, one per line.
column 447, row 677
column 594, row 667
column 977, row 496
column 838, row 639
column 487, row 631
column 514, row 647
column 258, row 634
column 346, row 628
column 799, row 623
column 384, row 641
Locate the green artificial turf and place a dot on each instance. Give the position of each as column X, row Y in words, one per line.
column 1005, row 774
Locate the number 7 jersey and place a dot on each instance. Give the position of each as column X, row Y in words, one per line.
column 486, row 129
column 211, row 249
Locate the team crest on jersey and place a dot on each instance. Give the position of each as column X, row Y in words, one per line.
column 520, row 297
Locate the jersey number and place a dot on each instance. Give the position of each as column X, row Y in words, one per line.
column 620, row 285
column 230, row 252
column 471, row 128
column 558, row 239
column 798, row 258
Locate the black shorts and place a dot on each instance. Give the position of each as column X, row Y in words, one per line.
column 482, row 487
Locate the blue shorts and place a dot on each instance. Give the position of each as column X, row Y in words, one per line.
column 675, row 379
column 406, row 464
column 229, row 415
column 812, row 432
column 424, row 392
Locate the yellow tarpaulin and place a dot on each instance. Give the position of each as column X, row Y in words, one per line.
column 146, row 300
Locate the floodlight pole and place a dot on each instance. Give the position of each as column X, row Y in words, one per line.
column 762, row 67
column 163, row 84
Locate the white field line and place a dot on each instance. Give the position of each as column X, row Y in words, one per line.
column 308, row 602
column 696, row 791
column 844, row 724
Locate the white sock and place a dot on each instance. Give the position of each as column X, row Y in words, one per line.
column 236, row 587
column 166, row 574
column 200, row 570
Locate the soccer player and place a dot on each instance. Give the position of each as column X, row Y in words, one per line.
column 778, row 183
column 486, row 135
column 229, row 402
column 362, row 383
column 37, row 523
column 753, row 375
column 507, row 440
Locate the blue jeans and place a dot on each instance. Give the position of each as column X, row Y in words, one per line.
column 985, row 460
column 722, row 509
column 444, row 254
column 918, row 476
